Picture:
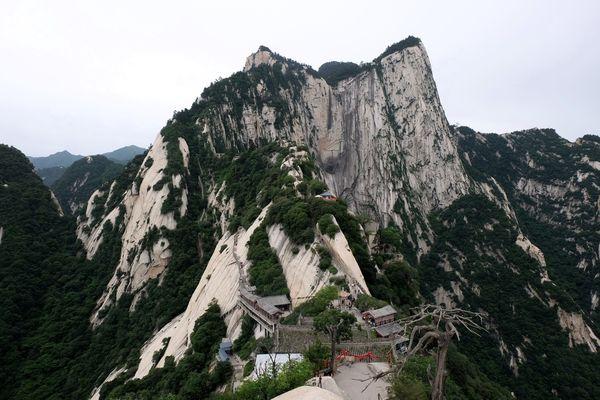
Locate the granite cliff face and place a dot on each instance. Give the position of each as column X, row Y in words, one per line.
column 380, row 137
column 554, row 186
column 140, row 216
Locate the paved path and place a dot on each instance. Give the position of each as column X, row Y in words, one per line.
column 350, row 379
column 238, row 370
column 242, row 272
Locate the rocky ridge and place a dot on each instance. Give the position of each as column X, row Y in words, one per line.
column 142, row 216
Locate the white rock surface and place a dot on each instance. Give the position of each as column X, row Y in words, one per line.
column 579, row 331
column 220, row 282
column 534, row 189
column 93, row 239
column 350, row 378
column 142, row 214
column 57, row 204
column 501, row 200
column 301, row 270
column 372, row 158
column 534, row 252
column 327, row 383
column 442, row 296
column 258, row 58
column 226, row 208
column 457, row 290
column 344, row 260
column 309, row 393
column 96, row 392
column 594, row 164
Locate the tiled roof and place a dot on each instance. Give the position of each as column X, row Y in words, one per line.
column 280, row 300
column 382, row 312
column 260, row 301
column 222, row 355
column 388, row 329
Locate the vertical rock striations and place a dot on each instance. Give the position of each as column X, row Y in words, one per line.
column 380, row 137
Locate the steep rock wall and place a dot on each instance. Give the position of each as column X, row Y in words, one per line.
column 381, row 138
column 301, row 270
column 344, row 260
column 141, row 259
column 220, row 282
column 579, row 331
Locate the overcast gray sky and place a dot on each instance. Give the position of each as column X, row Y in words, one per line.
column 91, row 76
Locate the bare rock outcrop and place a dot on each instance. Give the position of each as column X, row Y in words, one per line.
column 142, row 257
column 579, row 331
column 220, row 282
column 344, row 260
column 300, row 266
column 381, row 137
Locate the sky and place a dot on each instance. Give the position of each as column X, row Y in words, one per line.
column 91, row 76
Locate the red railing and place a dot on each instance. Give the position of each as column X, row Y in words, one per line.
column 369, row 356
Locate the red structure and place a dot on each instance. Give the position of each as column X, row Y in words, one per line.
column 368, row 356
column 327, row 196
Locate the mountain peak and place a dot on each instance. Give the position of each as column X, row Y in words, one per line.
column 124, row 154
column 263, row 55
column 230, row 197
column 266, row 56
column 59, row 159
column 64, row 152
column 264, row 48
column 410, row 41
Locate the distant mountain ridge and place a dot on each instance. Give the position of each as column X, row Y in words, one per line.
column 65, row 158
column 79, row 180
column 60, row 159
column 50, row 168
column 123, row 155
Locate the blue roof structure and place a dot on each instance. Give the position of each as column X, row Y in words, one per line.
column 224, row 350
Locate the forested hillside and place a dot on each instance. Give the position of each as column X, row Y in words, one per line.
column 47, row 287
column 51, row 168
column 81, row 179
column 59, row 159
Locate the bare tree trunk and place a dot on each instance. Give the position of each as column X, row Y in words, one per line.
column 437, row 388
column 333, row 342
column 424, row 334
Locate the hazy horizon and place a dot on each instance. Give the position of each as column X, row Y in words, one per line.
column 93, row 78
